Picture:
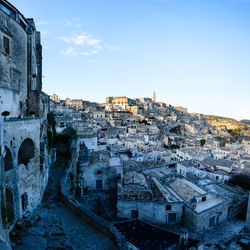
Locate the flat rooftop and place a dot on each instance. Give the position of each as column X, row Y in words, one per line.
column 204, row 205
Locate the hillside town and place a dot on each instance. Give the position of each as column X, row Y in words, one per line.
column 154, row 162
column 129, row 173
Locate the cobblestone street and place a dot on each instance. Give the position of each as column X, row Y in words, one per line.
column 53, row 226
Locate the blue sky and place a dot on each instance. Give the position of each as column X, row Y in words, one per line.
column 193, row 53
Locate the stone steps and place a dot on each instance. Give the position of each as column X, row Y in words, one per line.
column 108, row 208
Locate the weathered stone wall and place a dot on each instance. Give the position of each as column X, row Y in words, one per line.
column 25, row 166
column 149, row 211
column 199, row 221
column 13, row 67
column 21, row 68
column 23, row 178
column 99, row 171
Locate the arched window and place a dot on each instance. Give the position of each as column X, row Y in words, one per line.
column 8, row 162
column 26, row 151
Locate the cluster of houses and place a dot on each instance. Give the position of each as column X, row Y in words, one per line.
column 164, row 165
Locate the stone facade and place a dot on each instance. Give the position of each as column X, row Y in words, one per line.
column 27, row 177
column 24, row 157
column 99, row 176
column 20, row 62
column 154, row 212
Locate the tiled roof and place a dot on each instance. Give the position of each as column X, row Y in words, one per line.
column 186, row 190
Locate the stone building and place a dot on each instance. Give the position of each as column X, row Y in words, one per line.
column 24, row 153
column 146, row 198
column 119, row 103
column 162, row 197
column 55, row 98
column 76, row 104
column 101, row 172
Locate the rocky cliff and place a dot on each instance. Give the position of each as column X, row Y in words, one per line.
column 228, row 124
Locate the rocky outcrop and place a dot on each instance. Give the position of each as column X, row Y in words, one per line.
column 228, row 124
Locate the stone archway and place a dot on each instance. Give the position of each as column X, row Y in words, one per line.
column 8, row 161
column 26, row 151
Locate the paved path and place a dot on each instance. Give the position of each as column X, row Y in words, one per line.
column 53, row 226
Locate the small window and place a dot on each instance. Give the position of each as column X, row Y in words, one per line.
column 13, row 14
column 41, row 162
column 203, row 198
column 168, row 207
column 24, row 198
column 99, row 172
column 5, row 9
column 22, row 24
column 6, row 45
column 5, row 29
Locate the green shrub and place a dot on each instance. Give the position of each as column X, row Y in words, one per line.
column 202, row 142
column 240, row 180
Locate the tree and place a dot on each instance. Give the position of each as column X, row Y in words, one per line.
column 240, row 180
column 202, row 142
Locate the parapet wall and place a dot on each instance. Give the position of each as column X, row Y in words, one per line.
column 91, row 218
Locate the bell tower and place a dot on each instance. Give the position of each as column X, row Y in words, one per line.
column 154, row 97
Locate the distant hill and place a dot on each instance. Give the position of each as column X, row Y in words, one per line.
column 228, row 123
column 246, row 122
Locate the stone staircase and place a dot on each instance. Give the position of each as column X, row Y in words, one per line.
column 108, row 208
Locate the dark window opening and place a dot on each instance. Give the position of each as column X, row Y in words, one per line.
column 5, row 29
column 8, row 162
column 21, row 108
column 168, row 207
column 41, row 163
column 6, row 45
column 24, row 201
column 8, row 211
column 172, row 218
column 99, row 172
column 99, row 184
column 212, row 221
column 134, row 214
column 172, row 166
column 203, row 198
column 22, row 24
column 13, row 14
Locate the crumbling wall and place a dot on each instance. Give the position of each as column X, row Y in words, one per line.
column 26, row 178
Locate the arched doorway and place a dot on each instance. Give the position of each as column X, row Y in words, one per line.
column 8, row 212
column 26, row 151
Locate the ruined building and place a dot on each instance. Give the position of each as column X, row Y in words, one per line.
column 23, row 124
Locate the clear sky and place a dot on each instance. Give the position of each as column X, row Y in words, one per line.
column 193, row 53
